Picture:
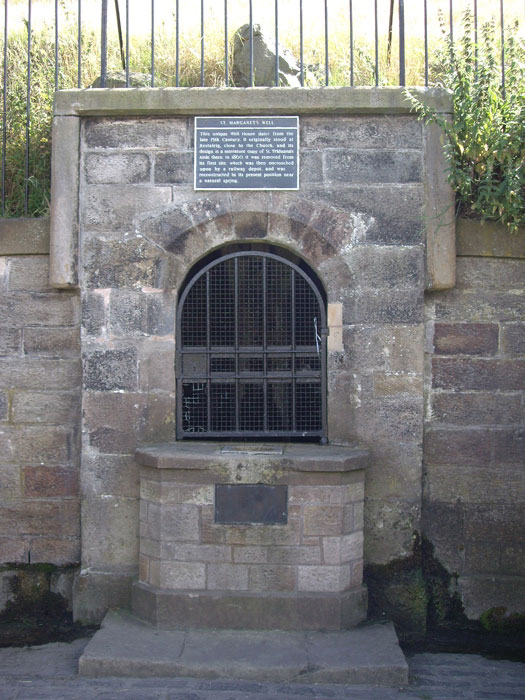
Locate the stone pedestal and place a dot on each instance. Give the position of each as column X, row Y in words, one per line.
column 303, row 571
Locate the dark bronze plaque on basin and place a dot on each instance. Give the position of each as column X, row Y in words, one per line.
column 251, row 503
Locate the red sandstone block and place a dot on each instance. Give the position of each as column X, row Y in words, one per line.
column 272, row 578
column 57, row 550
column 466, row 338
column 42, row 482
column 323, row 520
column 458, row 447
column 478, row 374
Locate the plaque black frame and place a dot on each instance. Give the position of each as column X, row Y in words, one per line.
column 230, row 128
column 249, row 504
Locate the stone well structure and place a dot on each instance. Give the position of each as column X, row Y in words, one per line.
column 372, row 219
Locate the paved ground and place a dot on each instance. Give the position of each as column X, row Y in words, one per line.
column 49, row 673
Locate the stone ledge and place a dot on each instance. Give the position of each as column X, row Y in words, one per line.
column 189, row 101
column 477, row 238
column 24, row 236
column 295, row 457
column 246, row 610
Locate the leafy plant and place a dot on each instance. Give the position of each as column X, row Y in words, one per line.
column 485, row 140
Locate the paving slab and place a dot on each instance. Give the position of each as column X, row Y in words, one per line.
column 126, row 646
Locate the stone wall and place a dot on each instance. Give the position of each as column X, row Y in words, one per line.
column 474, row 481
column 40, row 374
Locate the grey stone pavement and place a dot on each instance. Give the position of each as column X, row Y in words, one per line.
column 49, row 672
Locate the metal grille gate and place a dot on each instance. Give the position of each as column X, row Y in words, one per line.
column 251, row 347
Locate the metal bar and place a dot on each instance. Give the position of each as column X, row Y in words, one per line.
column 104, row 44
column 265, row 353
column 79, row 44
column 56, row 44
column 208, row 348
column 119, row 30
column 236, row 340
column 376, row 43
column 476, row 36
column 351, row 44
column 402, row 75
column 127, row 43
column 4, row 115
column 276, row 43
column 301, row 41
column 294, row 349
column 326, row 70
column 152, row 43
column 177, row 46
column 451, row 19
column 426, row 42
column 28, row 109
column 251, row 43
column 202, row 43
column 502, row 23
column 226, row 48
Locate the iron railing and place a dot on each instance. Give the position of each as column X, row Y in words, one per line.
column 79, row 49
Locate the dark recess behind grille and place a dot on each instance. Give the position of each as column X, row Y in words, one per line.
column 251, row 351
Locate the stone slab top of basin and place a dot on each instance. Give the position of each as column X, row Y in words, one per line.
column 293, row 456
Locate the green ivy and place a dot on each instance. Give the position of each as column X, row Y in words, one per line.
column 485, row 140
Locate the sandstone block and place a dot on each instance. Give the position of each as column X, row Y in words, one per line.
column 392, row 384
column 52, row 342
column 272, row 578
column 9, row 341
column 396, row 267
column 250, row 555
column 115, row 475
column 4, row 405
column 135, row 133
column 116, row 515
column 372, row 132
column 478, row 374
column 49, row 482
column 340, row 550
column 179, row 523
column 114, row 207
column 227, row 577
column 384, row 306
column 479, row 408
column 174, row 168
column 29, row 273
column 462, row 446
column 93, row 313
column 59, row 550
column 178, row 551
column 107, row 370
column 372, row 166
column 509, row 446
column 513, row 341
column 323, row 520
column 189, row 575
column 295, row 555
column 55, row 518
column 21, row 309
column 466, row 338
column 43, row 444
column 156, row 363
column 323, row 579
column 446, row 483
column 37, row 374
column 110, row 168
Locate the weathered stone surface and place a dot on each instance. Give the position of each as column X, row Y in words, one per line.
column 136, row 133
column 59, row 407
column 383, row 306
column 42, row 444
column 251, row 555
column 227, row 577
column 107, row 370
column 372, row 166
column 323, row 520
column 295, row 555
column 323, row 578
column 390, row 526
column 111, row 168
column 460, row 446
column 29, row 273
column 93, row 312
column 311, row 168
column 477, row 408
column 114, row 475
column 9, row 340
column 489, row 273
column 271, row 578
column 174, row 168
column 456, row 305
column 513, row 340
column 386, row 267
column 448, row 482
column 4, row 405
column 488, row 238
column 35, row 517
column 466, row 338
column 127, row 263
column 24, row 236
column 59, row 550
column 509, row 445
column 387, row 348
column 110, row 514
column 185, row 575
column 25, row 309
column 117, row 79
column 156, row 365
column 52, row 342
column 373, row 132
column 490, row 374
column 133, row 312
column 114, row 207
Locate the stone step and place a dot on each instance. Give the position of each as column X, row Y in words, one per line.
column 127, row 646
